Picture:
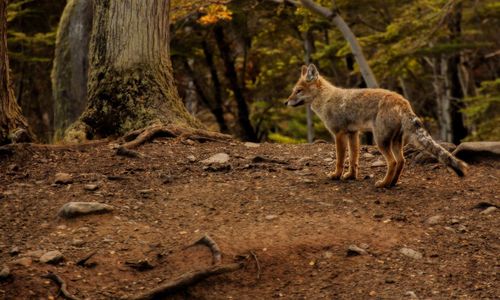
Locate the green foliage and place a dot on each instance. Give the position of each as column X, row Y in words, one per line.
column 483, row 111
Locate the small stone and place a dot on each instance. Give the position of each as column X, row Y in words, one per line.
column 328, row 159
column 35, row 254
column 454, row 221
column 271, row 217
column 145, row 193
column 74, row 209
column 390, row 280
column 191, row 158
column 77, row 242
column 411, row 253
column 373, row 294
column 219, row 158
column 90, row 187
column 51, row 257
column 378, row 215
column 434, row 220
column 378, row 163
column 368, row 155
column 63, row 178
column 411, row 295
column 4, row 273
column 489, row 210
column 327, row 254
column 462, row 229
column 14, row 251
column 251, row 145
column 354, row 250
column 24, row 261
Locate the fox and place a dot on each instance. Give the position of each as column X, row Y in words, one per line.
column 388, row 115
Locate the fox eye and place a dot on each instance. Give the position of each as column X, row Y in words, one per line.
column 299, row 91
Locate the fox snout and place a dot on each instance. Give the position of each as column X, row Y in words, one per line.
column 294, row 101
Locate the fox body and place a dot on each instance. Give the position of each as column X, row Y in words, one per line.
column 346, row 112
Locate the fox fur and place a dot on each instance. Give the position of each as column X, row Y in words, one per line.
column 346, row 112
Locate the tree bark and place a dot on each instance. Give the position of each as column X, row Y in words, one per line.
column 248, row 132
column 70, row 68
column 349, row 36
column 130, row 77
column 13, row 126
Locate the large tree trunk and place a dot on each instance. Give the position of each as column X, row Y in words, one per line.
column 130, row 78
column 13, row 125
column 69, row 72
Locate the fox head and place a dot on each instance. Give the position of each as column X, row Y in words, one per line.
column 307, row 88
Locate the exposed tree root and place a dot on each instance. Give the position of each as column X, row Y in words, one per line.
column 192, row 277
column 62, row 285
column 186, row 280
column 138, row 137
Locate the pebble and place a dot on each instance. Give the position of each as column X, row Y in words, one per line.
column 51, row 257
column 77, row 242
column 24, row 261
column 4, row 273
column 36, row 254
column 411, row 253
column 412, row 295
column 454, row 221
column 219, row 158
column 251, row 145
column 354, row 250
column 462, row 228
column 434, row 220
column 489, row 210
column 271, row 217
column 327, row 254
column 191, row 158
column 63, row 178
column 14, row 251
column 378, row 163
column 74, row 209
column 90, row 187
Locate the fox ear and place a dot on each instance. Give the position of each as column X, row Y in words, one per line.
column 311, row 73
column 304, row 70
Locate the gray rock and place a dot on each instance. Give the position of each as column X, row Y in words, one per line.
column 434, row 220
column 219, row 158
column 411, row 253
column 4, row 273
column 489, row 210
column 354, row 250
column 23, row 261
column 472, row 152
column 378, row 163
column 90, row 187
column 74, row 209
column 63, row 178
column 51, row 257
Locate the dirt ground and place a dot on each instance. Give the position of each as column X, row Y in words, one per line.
column 279, row 206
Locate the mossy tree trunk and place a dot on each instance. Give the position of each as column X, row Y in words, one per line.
column 130, row 77
column 13, row 125
column 70, row 68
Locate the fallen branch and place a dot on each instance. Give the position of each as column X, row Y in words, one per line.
column 186, row 280
column 212, row 245
column 257, row 263
column 62, row 285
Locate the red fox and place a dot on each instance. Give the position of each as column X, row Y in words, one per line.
column 346, row 112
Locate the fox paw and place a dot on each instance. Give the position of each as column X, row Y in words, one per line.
column 333, row 175
column 382, row 184
column 349, row 175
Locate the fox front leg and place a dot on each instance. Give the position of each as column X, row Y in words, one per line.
column 340, row 149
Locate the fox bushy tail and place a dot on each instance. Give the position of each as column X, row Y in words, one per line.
column 420, row 137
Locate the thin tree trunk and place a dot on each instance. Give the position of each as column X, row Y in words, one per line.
column 309, row 49
column 70, row 68
column 218, row 110
column 13, row 125
column 231, row 74
column 349, row 36
column 130, row 77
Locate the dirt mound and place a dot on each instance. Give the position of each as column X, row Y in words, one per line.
column 271, row 200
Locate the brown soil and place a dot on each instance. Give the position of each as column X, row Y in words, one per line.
column 298, row 223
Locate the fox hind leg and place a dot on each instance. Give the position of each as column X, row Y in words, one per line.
column 340, row 149
column 353, row 156
column 397, row 150
column 385, row 144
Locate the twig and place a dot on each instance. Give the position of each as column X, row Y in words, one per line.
column 62, row 285
column 256, row 262
column 212, row 245
column 186, row 280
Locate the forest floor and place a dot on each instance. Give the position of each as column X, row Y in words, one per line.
column 270, row 200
